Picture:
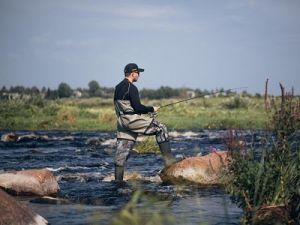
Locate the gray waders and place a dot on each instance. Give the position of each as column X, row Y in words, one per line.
column 129, row 126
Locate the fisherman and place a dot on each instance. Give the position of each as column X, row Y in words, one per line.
column 132, row 121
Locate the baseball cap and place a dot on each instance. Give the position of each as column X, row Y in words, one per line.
column 132, row 67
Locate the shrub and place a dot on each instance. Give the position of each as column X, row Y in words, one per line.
column 236, row 102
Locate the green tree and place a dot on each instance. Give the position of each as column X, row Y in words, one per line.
column 44, row 89
column 64, row 90
column 17, row 89
column 4, row 89
column 51, row 94
column 34, row 90
column 94, row 88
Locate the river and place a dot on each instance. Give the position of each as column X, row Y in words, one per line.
column 84, row 171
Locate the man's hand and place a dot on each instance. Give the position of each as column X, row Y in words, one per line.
column 156, row 108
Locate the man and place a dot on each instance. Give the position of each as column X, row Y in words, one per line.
column 132, row 122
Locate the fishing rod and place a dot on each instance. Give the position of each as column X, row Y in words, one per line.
column 200, row 96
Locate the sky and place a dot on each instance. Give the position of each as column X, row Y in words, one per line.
column 205, row 44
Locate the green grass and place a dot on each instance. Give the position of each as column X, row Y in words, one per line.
column 212, row 114
column 99, row 114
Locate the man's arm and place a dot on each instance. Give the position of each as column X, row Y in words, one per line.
column 136, row 102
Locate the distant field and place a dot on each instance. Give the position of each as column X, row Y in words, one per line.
column 98, row 114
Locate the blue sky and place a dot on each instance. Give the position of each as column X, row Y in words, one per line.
column 199, row 44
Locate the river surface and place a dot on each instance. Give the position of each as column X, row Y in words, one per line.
column 83, row 165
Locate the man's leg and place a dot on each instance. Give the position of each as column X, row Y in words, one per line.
column 162, row 139
column 122, row 154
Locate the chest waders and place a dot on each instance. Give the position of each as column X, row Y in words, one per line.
column 129, row 125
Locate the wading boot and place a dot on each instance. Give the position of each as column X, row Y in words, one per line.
column 119, row 173
column 166, row 153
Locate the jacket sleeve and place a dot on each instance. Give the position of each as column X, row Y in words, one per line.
column 136, row 102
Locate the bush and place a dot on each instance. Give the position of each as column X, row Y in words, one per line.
column 236, row 102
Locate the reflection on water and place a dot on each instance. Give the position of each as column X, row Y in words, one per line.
column 82, row 165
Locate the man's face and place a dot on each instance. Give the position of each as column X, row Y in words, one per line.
column 135, row 76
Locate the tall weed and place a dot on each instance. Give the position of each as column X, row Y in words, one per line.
column 135, row 213
column 270, row 185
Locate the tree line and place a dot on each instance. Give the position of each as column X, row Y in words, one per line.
column 64, row 90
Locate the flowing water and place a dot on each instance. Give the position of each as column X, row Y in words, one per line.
column 83, row 165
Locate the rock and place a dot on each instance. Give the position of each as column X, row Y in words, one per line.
column 13, row 212
column 203, row 170
column 30, row 182
column 94, row 141
column 9, row 137
column 112, row 143
column 23, row 138
column 134, row 176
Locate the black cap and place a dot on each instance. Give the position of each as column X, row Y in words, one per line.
column 132, row 67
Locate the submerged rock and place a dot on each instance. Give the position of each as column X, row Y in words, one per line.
column 203, row 170
column 32, row 137
column 94, row 141
column 30, row 182
column 134, row 176
column 50, row 200
column 13, row 212
column 110, row 143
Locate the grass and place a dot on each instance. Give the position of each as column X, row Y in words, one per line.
column 99, row 114
column 135, row 213
column 213, row 114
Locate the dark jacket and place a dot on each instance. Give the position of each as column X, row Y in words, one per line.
column 128, row 91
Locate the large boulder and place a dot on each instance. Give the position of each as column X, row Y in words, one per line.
column 203, row 170
column 39, row 182
column 15, row 213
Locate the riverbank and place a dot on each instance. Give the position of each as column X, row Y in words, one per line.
column 98, row 114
